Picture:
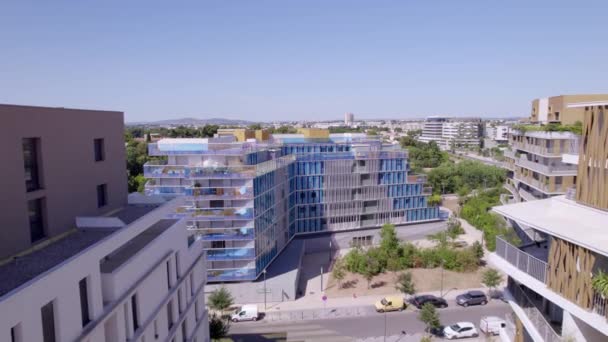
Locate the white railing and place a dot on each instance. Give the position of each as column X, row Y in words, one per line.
column 547, row 169
column 600, row 304
column 522, row 260
column 544, row 328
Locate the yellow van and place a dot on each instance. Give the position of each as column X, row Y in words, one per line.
column 390, row 303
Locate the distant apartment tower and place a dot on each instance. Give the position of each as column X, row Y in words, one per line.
column 57, row 164
column 100, row 269
column 563, row 248
column 497, row 133
column 452, row 133
column 247, row 200
column 349, row 119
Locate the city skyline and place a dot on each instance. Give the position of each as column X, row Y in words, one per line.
column 271, row 61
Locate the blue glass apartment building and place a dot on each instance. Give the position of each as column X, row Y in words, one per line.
column 247, row 200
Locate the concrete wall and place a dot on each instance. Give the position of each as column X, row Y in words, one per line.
column 68, row 170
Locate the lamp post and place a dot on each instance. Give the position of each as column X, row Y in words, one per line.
column 330, row 250
column 264, row 273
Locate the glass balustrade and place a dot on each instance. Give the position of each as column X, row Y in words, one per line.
column 231, row 274
column 230, row 254
column 230, row 234
column 243, row 192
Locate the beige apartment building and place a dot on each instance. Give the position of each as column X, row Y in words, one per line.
column 535, row 156
column 57, row 163
column 557, row 109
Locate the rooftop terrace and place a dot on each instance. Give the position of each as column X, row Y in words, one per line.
column 27, row 267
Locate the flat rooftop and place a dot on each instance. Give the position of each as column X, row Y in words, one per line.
column 27, row 267
column 563, row 218
column 117, row 258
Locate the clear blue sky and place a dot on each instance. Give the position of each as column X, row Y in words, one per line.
column 267, row 60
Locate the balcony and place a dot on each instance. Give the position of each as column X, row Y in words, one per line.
column 525, row 262
column 570, row 146
column 228, row 254
column 243, row 192
column 155, row 169
column 198, row 148
column 416, row 179
column 541, row 325
column 231, row 275
column 221, row 172
column 228, row 234
column 223, row 214
column 152, row 189
column 549, row 170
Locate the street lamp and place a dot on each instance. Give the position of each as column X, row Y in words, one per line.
column 264, row 273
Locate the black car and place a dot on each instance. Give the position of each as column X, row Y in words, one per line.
column 472, row 298
column 419, row 301
column 438, row 332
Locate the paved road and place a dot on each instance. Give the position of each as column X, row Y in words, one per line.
column 353, row 328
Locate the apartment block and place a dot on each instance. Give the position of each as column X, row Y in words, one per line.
column 85, row 261
column 557, row 108
column 131, row 276
column 57, row 164
column 246, row 201
column 451, row 133
column 564, row 245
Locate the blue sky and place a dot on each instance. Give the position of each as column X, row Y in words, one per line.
column 268, row 60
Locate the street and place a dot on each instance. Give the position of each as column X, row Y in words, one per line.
column 370, row 324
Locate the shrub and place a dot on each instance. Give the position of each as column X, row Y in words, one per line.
column 220, row 299
column 491, row 278
column 405, row 284
column 218, row 328
column 429, row 316
column 339, row 272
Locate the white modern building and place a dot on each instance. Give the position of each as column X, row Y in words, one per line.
column 132, row 276
column 452, row 133
column 497, row 133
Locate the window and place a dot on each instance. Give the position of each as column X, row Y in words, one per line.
column 168, row 275
column 16, row 333
column 99, row 150
column 30, row 163
column 218, row 244
column 102, row 195
column 84, row 301
column 170, row 314
column 36, row 219
column 48, row 322
column 134, row 312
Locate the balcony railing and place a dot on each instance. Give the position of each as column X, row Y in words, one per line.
column 225, row 149
column 525, row 262
column 229, row 234
column 231, row 275
column 547, row 169
column 539, row 322
column 161, row 170
column 244, row 171
column 243, row 192
column 152, row 189
column 230, row 254
column 571, row 146
column 223, row 213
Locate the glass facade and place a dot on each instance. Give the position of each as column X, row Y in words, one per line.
column 246, row 207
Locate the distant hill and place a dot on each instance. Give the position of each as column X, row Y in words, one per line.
column 192, row 122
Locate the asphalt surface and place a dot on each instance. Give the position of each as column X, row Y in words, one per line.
column 370, row 324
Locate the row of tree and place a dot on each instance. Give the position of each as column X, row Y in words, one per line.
column 465, row 176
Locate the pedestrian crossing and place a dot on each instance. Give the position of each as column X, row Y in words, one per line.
column 297, row 332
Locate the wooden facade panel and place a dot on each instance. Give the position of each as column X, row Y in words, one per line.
column 570, row 270
column 592, row 181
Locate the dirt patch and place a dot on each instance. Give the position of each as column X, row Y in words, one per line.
column 425, row 279
column 451, row 202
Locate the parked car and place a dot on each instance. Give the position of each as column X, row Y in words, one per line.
column 247, row 312
column 460, row 330
column 438, row 332
column 491, row 325
column 472, row 298
column 390, row 303
column 419, row 301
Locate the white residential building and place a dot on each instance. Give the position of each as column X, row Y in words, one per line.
column 134, row 276
column 448, row 133
column 349, row 119
column 497, row 133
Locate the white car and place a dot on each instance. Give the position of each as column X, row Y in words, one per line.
column 460, row 330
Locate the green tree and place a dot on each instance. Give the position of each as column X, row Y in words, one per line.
column 339, row 271
column 405, row 284
column 434, row 200
column 218, row 327
column 429, row 316
column 491, row 278
column 478, row 250
column 388, row 238
column 220, row 300
column 370, row 270
column 255, row 126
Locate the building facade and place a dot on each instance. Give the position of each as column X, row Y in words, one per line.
column 349, row 119
column 453, row 133
column 557, row 109
column 248, row 200
column 84, row 264
column 563, row 248
column 43, row 149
